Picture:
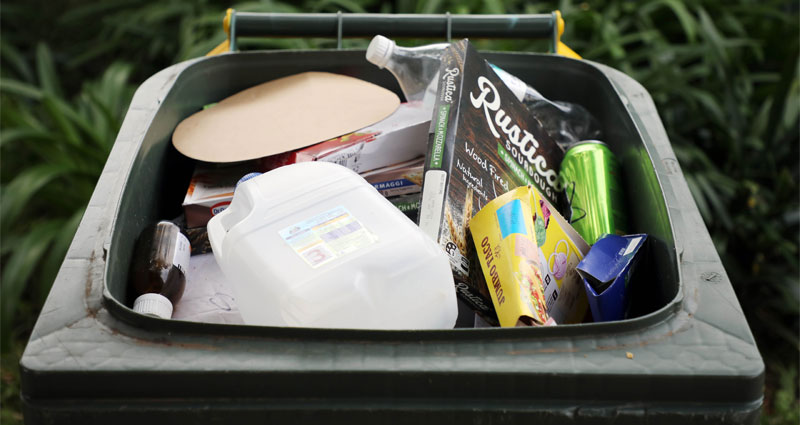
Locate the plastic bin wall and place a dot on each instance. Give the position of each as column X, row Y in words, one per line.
column 91, row 359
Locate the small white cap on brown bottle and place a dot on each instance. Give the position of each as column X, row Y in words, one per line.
column 154, row 305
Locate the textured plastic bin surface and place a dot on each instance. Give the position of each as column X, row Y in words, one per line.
column 91, row 359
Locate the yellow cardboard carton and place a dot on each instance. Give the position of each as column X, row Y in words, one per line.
column 528, row 254
column 506, row 243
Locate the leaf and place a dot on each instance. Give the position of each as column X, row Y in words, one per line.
column 58, row 112
column 791, row 111
column 430, row 6
column 114, row 86
column 25, row 134
column 21, row 265
column 712, row 195
column 723, row 184
column 161, row 13
column 709, row 103
column 712, row 35
column 405, row 6
column 12, row 56
column 687, row 21
column 20, row 89
column 94, row 51
column 494, row 7
column 339, row 5
column 699, row 198
column 760, row 120
column 80, row 14
column 46, row 72
column 23, row 188
column 785, row 106
column 21, row 115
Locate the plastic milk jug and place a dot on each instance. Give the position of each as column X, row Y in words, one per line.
column 314, row 245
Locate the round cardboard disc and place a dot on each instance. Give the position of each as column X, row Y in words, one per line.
column 282, row 115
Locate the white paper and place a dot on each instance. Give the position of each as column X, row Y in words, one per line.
column 208, row 297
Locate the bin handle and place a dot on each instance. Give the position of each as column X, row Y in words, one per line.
column 249, row 24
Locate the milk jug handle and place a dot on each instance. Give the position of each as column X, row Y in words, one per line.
column 217, row 232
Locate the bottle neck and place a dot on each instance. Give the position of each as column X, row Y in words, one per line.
column 415, row 68
column 427, row 52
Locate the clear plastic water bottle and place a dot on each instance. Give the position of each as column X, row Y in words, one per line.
column 416, row 70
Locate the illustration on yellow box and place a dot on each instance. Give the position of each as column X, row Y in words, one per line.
column 562, row 248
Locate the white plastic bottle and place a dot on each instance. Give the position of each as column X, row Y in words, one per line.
column 314, row 245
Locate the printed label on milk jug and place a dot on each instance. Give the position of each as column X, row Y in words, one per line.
column 327, row 236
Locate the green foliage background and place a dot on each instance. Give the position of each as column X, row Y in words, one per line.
column 723, row 74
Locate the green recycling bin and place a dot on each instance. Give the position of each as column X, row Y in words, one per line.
column 687, row 356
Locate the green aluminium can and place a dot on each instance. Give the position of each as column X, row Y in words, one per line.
column 591, row 176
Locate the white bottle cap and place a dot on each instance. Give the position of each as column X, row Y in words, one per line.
column 154, row 305
column 380, row 50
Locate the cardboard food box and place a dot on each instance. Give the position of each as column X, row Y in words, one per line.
column 198, row 240
column 606, row 272
column 398, row 179
column 483, row 142
column 400, row 137
column 528, row 254
column 211, row 190
column 407, row 204
column 506, row 242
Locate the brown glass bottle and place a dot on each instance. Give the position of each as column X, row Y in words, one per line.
column 158, row 269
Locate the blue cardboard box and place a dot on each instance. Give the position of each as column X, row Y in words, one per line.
column 606, row 271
